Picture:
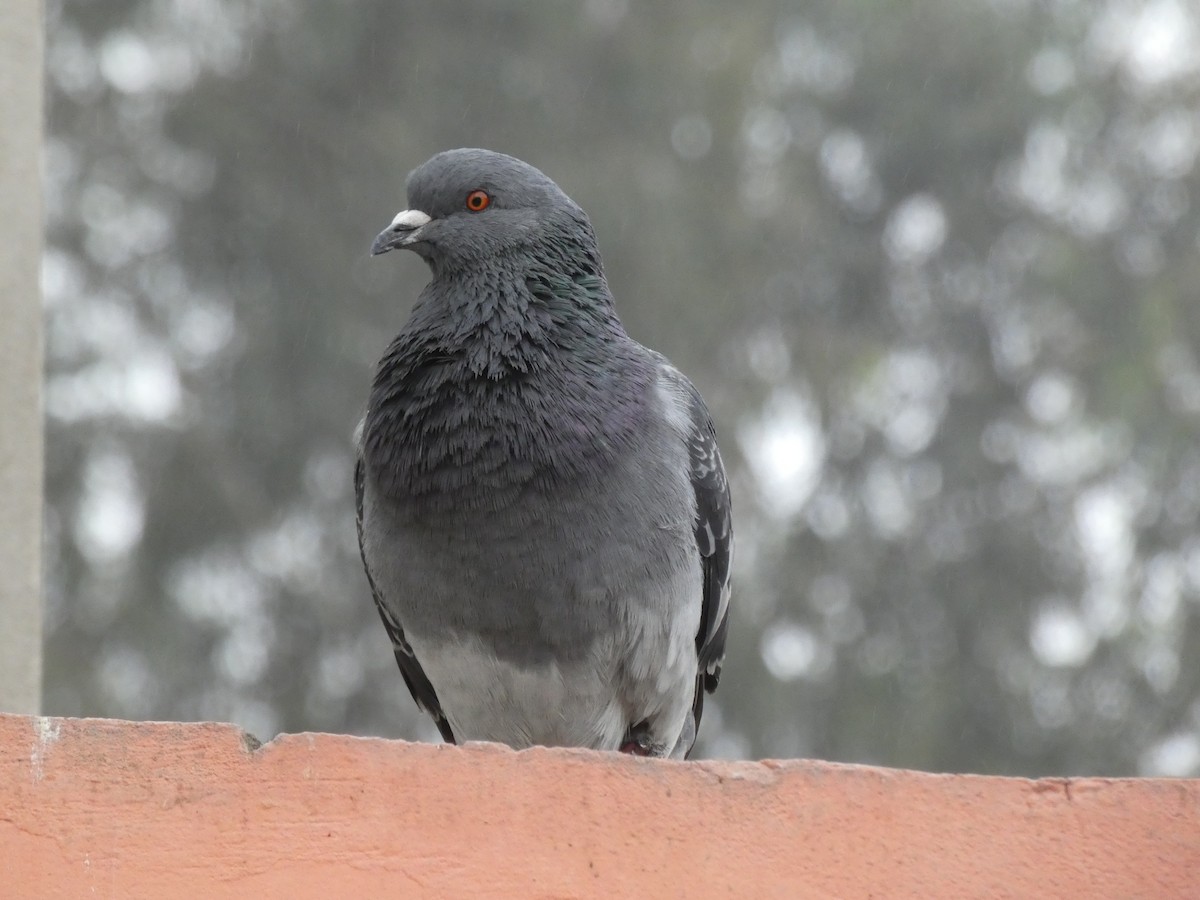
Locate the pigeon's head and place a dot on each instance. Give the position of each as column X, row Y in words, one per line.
column 467, row 207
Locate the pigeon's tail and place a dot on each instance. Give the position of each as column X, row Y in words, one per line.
column 687, row 737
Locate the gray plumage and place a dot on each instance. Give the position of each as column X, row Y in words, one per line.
column 542, row 510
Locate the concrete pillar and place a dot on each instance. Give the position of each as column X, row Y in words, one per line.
column 21, row 27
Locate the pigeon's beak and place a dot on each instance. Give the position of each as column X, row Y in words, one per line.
column 404, row 230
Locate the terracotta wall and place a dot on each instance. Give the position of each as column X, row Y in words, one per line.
column 96, row 808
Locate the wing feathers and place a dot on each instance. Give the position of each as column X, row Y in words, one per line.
column 414, row 676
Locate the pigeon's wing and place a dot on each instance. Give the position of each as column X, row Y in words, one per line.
column 714, row 534
column 414, row 676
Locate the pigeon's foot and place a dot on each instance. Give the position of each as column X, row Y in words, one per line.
column 637, row 741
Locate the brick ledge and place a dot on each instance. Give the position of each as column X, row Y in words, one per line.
column 94, row 807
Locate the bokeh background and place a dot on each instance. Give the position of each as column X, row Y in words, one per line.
column 935, row 266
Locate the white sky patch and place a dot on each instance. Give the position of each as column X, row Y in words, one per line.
column 1160, row 668
column 847, row 167
column 1104, row 531
column 1105, row 605
column 886, row 500
column 125, row 676
column 911, row 429
column 62, row 277
column 915, row 230
column 340, row 671
column 1190, row 566
column 111, row 512
column 727, row 743
column 691, row 137
column 1050, row 71
column 785, row 448
column 126, row 63
column 290, row 552
column 828, row 515
column 1091, row 202
column 1098, row 205
column 1104, row 528
column 905, row 398
column 151, row 389
column 133, row 65
column 880, row 654
column 1050, row 398
column 1175, row 756
column 766, row 134
column 768, row 355
column 1180, row 373
column 790, row 652
column 1160, row 604
column 216, row 587
column 95, row 326
column 1071, row 453
column 203, row 330
column 144, row 388
column 815, row 62
column 1060, row 637
column 1155, row 42
column 244, row 654
column 1170, row 143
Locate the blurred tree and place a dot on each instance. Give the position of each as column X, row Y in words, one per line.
column 933, row 265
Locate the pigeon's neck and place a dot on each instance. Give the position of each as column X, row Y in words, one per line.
column 495, row 383
column 517, row 316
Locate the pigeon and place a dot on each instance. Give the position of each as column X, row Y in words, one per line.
column 542, row 509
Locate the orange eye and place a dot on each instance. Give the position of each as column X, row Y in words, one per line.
column 478, row 201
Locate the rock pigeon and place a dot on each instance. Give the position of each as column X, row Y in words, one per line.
column 542, row 510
